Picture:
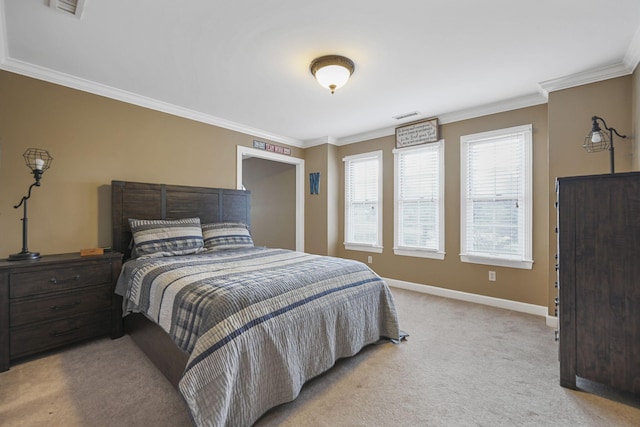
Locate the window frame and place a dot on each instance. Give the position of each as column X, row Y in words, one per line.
column 417, row 251
column 357, row 246
column 524, row 260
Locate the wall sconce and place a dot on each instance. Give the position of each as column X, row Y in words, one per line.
column 332, row 71
column 38, row 161
column 597, row 140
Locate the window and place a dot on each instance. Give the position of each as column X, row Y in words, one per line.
column 496, row 201
column 363, row 202
column 419, row 201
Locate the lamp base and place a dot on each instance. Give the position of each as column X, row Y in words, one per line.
column 22, row 256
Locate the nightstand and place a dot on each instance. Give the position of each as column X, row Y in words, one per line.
column 57, row 300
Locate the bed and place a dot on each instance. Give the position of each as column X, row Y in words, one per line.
column 237, row 329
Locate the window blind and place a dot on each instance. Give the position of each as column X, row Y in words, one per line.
column 362, row 200
column 497, row 194
column 418, row 198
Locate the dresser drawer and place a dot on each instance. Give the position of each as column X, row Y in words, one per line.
column 35, row 310
column 32, row 339
column 43, row 281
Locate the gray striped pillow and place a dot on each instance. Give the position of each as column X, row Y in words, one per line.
column 158, row 238
column 226, row 235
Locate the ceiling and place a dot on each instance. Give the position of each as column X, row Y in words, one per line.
column 244, row 65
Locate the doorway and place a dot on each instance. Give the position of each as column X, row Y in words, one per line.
column 277, row 196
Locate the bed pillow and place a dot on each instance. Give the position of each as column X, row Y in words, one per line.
column 158, row 238
column 226, row 235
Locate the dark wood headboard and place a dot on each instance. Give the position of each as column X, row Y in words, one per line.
column 161, row 201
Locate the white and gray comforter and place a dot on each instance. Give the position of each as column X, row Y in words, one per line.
column 257, row 322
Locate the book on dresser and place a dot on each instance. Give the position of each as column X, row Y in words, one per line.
column 599, row 279
column 57, row 300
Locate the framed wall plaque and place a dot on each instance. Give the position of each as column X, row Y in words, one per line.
column 417, row 133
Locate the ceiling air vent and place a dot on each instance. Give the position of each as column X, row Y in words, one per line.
column 406, row 115
column 70, row 7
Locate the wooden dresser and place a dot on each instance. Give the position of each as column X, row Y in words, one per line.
column 57, row 300
column 599, row 279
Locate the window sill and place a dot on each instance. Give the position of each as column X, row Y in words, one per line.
column 363, row 248
column 419, row 253
column 498, row 262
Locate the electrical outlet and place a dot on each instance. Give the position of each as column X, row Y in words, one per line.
column 370, row 259
column 492, row 276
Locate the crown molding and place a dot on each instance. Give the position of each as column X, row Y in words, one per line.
column 585, row 77
column 456, row 116
column 493, row 108
column 48, row 75
column 632, row 57
column 45, row 74
column 320, row 141
column 365, row 136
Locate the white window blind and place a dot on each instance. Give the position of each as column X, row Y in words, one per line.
column 496, row 197
column 419, row 201
column 363, row 197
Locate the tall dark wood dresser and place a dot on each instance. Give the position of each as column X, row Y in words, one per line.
column 599, row 279
column 57, row 300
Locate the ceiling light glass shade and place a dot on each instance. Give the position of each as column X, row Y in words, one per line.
column 332, row 77
column 332, row 71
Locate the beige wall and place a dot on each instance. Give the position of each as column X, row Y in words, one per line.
column 334, row 189
column 316, row 205
column 321, row 210
column 273, row 202
column 94, row 140
column 559, row 131
column 570, row 113
column 520, row 285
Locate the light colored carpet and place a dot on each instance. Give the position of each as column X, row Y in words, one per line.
column 463, row 365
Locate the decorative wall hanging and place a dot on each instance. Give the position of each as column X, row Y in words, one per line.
column 260, row 145
column 417, row 133
column 314, row 182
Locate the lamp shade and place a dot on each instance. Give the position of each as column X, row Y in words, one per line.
column 332, row 71
column 599, row 140
column 596, row 141
column 37, row 159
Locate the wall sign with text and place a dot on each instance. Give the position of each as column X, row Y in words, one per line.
column 417, row 133
column 260, row 145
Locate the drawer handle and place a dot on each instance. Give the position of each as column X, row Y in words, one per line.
column 67, row 332
column 64, row 307
column 56, row 281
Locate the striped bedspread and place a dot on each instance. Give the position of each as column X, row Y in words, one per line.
column 257, row 323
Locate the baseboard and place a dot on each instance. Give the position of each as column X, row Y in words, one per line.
column 552, row 322
column 521, row 307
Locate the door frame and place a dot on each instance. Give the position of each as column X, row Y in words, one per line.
column 246, row 152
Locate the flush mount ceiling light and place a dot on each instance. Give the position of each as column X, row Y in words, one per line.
column 332, row 71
